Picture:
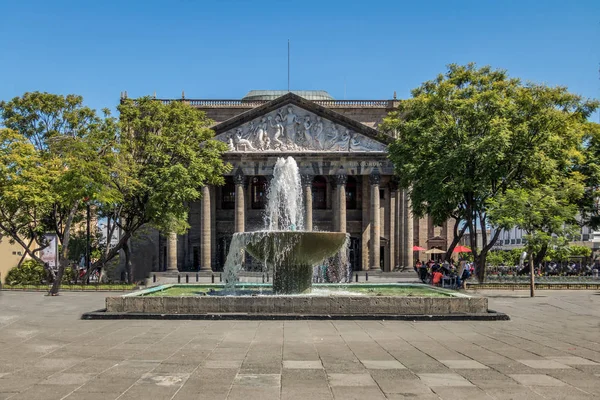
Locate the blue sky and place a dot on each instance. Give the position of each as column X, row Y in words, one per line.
column 223, row 49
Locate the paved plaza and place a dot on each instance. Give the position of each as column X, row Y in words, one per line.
column 549, row 350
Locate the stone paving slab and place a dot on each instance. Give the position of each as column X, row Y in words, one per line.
column 464, row 364
column 290, row 364
column 549, row 350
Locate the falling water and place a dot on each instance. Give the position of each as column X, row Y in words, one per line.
column 285, row 208
column 285, row 213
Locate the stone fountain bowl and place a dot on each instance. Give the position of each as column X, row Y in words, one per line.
column 291, row 255
column 294, row 247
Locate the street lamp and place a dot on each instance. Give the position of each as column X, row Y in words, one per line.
column 87, row 241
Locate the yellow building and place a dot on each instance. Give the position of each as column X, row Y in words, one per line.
column 10, row 254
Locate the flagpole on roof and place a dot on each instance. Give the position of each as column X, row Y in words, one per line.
column 288, row 65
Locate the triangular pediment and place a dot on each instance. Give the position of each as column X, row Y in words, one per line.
column 291, row 123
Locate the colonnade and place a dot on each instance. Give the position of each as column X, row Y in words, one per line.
column 399, row 221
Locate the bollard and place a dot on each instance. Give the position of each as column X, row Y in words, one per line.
column 187, row 278
column 220, row 277
column 357, row 278
column 154, row 278
column 263, row 278
column 267, row 277
column 366, row 276
column 196, row 277
column 178, row 278
column 212, row 278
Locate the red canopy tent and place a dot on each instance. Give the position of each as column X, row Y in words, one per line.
column 461, row 249
column 417, row 248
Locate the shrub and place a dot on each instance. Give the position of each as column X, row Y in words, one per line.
column 69, row 275
column 30, row 272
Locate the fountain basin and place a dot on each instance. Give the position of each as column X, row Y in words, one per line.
column 294, row 247
column 292, row 254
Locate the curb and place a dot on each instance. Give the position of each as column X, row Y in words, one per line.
column 103, row 315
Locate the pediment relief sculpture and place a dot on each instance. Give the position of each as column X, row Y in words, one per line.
column 292, row 128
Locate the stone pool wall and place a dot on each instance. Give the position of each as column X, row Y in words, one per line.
column 298, row 305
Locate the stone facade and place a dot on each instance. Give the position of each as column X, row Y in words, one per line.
column 347, row 180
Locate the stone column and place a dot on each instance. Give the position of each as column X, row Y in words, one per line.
column 172, row 252
column 408, row 231
column 205, row 244
column 401, row 250
column 240, row 217
column 340, row 181
column 307, row 185
column 366, row 223
column 374, row 180
column 392, row 225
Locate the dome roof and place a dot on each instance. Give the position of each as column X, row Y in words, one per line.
column 273, row 94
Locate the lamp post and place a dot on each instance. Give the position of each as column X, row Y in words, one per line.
column 87, row 241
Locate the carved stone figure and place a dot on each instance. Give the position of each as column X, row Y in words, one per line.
column 343, row 143
column 355, row 144
column 290, row 125
column 278, row 131
column 242, row 144
column 318, row 134
column 307, row 125
column 230, row 144
column 262, row 135
column 332, row 137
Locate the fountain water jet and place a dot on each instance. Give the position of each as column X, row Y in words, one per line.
column 283, row 247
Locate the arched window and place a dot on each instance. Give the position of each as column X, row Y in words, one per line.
column 228, row 194
column 258, row 192
column 319, row 193
column 351, row 193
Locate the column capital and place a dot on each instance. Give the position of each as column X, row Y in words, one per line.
column 341, row 179
column 306, row 179
column 239, row 178
column 375, row 178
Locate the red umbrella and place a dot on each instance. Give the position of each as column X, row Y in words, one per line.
column 461, row 249
column 417, row 248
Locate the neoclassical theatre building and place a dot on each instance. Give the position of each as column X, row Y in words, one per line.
column 347, row 180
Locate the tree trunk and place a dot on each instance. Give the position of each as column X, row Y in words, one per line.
column 531, row 276
column 64, row 254
column 458, row 234
column 128, row 265
column 539, row 257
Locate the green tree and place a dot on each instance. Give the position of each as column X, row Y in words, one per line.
column 167, row 152
column 589, row 208
column 546, row 212
column 55, row 153
column 471, row 134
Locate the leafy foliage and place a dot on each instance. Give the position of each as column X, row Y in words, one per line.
column 166, row 154
column 30, row 272
column 56, row 153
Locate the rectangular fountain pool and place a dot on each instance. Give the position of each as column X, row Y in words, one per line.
column 324, row 301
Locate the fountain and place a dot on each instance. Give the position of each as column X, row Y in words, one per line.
column 289, row 253
column 284, row 248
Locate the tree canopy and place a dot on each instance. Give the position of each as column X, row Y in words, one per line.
column 57, row 156
column 471, row 134
column 166, row 154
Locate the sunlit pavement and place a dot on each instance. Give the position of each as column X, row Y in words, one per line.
column 549, row 350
